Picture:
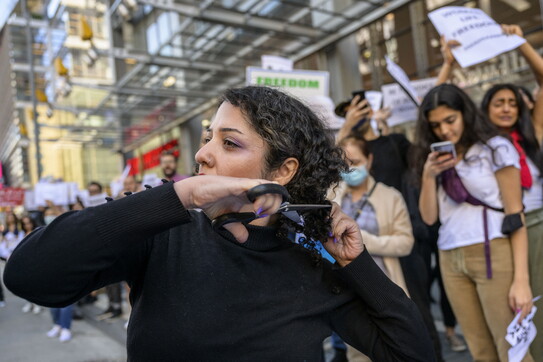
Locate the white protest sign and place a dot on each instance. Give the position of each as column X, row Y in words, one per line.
column 520, row 335
column 277, row 63
column 30, row 203
column 375, row 99
column 403, row 80
column 299, row 83
column 58, row 193
column 96, row 200
column 401, row 106
column 481, row 38
column 151, row 179
column 73, row 192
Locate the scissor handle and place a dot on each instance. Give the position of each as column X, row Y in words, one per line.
column 252, row 194
column 242, row 217
column 263, row 189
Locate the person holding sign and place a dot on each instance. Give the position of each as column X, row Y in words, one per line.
column 505, row 108
column 483, row 245
column 243, row 291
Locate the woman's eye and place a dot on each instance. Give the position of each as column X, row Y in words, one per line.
column 229, row 143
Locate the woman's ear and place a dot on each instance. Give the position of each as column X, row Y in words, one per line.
column 286, row 171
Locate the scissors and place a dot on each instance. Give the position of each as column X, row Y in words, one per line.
column 286, row 208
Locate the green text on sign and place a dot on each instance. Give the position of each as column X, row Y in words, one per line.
column 285, row 82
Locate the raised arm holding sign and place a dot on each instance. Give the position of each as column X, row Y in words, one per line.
column 479, row 36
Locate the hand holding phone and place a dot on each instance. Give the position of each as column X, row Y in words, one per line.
column 444, row 148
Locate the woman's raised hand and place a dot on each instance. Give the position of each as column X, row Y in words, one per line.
column 446, row 47
column 436, row 163
column 512, row 30
column 219, row 195
column 345, row 243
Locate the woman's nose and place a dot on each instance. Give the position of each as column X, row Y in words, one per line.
column 202, row 157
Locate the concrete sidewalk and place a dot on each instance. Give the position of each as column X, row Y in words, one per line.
column 22, row 338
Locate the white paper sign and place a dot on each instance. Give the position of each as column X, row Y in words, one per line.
column 277, row 63
column 401, row 106
column 481, row 38
column 30, row 203
column 521, row 335
column 403, row 80
column 151, row 179
column 375, row 99
column 73, row 192
column 96, row 200
column 58, row 193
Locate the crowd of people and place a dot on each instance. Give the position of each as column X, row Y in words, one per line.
column 254, row 291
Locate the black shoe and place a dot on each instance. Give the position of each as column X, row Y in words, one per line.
column 110, row 313
column 104, row 315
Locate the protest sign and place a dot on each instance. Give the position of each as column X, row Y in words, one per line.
column 57, row 193
column 375, row 99
column 12, row 196
column 481, row 38
column 96, row 200
column 276, row 63
column 520, row 335
column 300, row 83
column 403, row 80
column 401, row 106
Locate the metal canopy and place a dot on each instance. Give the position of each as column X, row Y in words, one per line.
column 176, row 56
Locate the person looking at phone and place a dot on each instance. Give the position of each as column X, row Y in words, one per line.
column 484, row 264
column 245, row 292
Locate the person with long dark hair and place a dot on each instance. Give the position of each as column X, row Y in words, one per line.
column 476, row 196
column 241, row 292
column 504, row 107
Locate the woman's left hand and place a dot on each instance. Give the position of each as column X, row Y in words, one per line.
column 520, row 298
column 345, row 243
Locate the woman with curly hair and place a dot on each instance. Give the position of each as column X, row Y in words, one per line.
column 242, row 292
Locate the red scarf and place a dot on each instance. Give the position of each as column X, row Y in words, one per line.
column 525, row 176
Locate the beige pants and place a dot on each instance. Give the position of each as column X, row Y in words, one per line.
column 481, row 305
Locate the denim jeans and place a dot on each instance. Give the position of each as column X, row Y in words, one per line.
column 63, row 316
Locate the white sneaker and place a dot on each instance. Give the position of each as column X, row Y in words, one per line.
column 27, row 307
column 36, row 309
column 54, row 332
column 65, row 335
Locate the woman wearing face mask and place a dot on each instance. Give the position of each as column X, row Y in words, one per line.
column 379, row 211
column 504, row 107
column 477, row 198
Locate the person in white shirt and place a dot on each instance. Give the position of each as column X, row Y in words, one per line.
column 476, row 196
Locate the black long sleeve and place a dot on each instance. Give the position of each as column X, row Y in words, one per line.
column 199, row 295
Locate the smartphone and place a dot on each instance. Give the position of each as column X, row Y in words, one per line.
column 360, row 93
column 444, row 147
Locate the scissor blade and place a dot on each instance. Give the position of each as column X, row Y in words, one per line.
column 302, row 207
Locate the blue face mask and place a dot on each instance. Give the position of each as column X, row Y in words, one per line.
column 356, row 176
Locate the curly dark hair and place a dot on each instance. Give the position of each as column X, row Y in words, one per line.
column 476, row 129
column 291, row 129
column 523, row 124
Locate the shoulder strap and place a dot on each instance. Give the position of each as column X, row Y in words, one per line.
column 365, row 201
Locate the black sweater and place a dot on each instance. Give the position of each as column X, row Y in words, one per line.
column 198, row 295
